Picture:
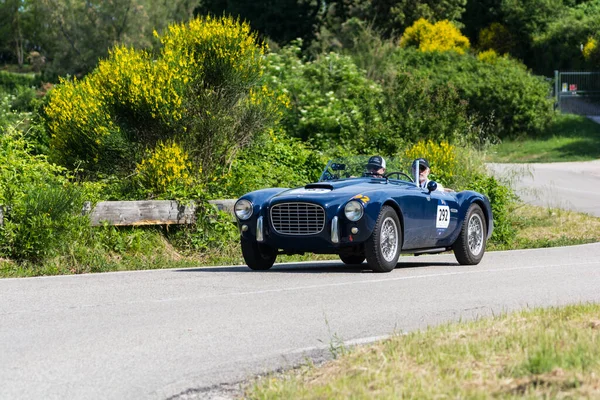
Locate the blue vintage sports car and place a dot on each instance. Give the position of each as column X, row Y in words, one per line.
column 356, row 215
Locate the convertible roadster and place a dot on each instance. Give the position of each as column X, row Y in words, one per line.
column 357, row 215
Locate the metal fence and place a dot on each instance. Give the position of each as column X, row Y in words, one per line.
column 577, row 92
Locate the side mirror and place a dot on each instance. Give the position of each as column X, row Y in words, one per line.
column 431, row 186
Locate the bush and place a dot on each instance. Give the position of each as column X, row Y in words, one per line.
column 202, row 91
column 518, row 101
column 166, row 172
column 440, row 36
column 39, row 202
column 416, row 108
column 333, row 105
column 502, row 200
column 10, row 81
column 441, row 157
column 274, row 160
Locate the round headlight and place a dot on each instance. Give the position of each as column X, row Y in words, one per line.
column 243, row 209
column 354, row 210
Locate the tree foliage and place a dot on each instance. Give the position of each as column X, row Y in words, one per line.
column 279, row 20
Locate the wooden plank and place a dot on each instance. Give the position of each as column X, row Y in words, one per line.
column 146, row 212
column 224, row 205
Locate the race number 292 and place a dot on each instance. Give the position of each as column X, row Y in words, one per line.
column 443, row 217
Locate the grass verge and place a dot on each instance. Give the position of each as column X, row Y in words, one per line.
column 550, row 227
column 541, row 353
column 569, row 138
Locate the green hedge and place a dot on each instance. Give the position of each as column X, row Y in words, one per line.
column 9, row 81
column 501, row 88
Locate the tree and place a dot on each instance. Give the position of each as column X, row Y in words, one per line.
column 279, row 20
column 75, row 34
column 392, row 17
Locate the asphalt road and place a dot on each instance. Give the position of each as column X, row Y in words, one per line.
column 572, row 186
column 171, row 333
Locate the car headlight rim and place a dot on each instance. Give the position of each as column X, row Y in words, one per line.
column 243, row 209
column 354, row 210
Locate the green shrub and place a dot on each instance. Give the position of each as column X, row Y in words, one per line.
column 10, row 81
column 334, row 106
column 40, row 204
column 502, row 200
column 274, row 160
column 518, row 101
column 416, row 108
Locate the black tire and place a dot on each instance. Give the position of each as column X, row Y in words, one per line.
column 352, row 259
column 384, row 260
column 471, row 253
column 258, row 257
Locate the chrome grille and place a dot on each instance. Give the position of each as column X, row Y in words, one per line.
column 297, row 218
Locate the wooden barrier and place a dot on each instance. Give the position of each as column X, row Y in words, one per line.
column 145, row 212
column 149, row 212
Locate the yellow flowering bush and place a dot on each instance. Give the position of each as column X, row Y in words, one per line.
column 488, row 56
column 441, row 36
column 203, row 89
column 165, row 169
column 441, row 156
column 590, row 50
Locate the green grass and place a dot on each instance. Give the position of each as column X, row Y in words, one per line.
column 569, row 138
column 550, row 227
column 540, row 353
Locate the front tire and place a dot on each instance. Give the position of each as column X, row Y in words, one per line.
column 383, row 247
column 258, row 257
column 352, row 259
column 470, row 245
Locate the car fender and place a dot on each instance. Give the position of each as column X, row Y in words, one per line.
column 258, row 198
column 466, row 198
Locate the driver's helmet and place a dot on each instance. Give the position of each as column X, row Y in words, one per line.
column 423, row 164
column 374, row 164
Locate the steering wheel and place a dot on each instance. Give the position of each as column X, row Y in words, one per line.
column 387, row 176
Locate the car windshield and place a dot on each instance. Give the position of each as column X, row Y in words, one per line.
column 356, row 167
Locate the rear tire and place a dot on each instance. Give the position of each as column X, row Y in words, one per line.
column 383, row 247
column 470, row 245
column 258, row 257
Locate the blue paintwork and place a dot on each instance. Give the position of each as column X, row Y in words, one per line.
column 417, row 209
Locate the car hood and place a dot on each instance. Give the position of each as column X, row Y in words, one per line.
column 327, row 192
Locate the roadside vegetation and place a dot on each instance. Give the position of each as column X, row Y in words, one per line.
column 206, row 107
column 539, row 353
column 568, row 138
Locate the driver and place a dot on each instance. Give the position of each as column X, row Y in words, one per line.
column 375, row 167
column 424, row 174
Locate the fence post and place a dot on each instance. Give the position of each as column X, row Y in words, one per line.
column 556, row 88
column 1, row 216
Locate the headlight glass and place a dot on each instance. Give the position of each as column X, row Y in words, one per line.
column 243, row 209
column 354, row 210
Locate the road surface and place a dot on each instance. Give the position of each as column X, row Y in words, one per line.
column 173, row 333
column 571, row 186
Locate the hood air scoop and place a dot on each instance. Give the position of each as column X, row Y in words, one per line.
column 319, row 186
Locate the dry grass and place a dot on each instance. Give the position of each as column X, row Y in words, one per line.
column 544, row 353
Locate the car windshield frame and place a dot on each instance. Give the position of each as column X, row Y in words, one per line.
column 345, row 168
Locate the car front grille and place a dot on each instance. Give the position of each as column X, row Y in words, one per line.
column 297, row 218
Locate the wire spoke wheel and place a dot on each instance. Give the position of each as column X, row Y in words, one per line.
column 475, row 234
column 389, row 239
column 382, row 249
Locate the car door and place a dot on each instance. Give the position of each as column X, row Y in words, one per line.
column 440, row 218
